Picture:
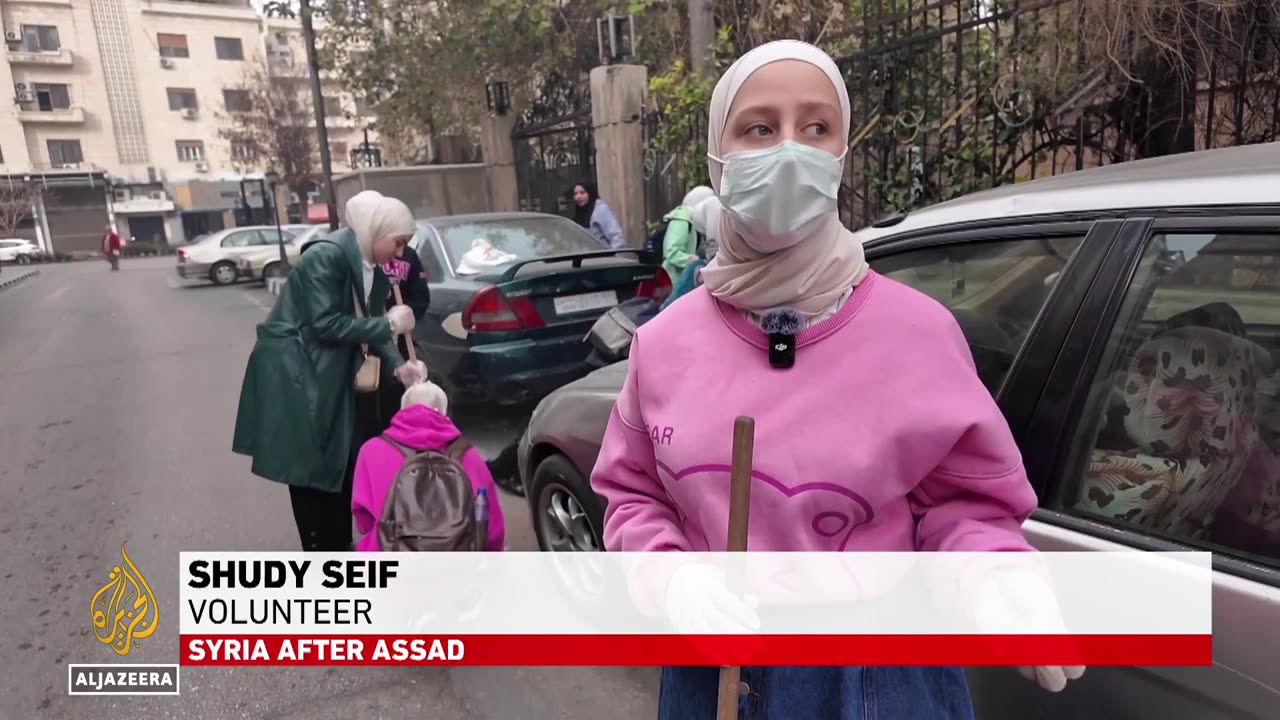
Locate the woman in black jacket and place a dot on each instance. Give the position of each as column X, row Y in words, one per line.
column 406, row 272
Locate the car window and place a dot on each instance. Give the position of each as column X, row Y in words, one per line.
column 523, row 238
column 995, row 289
column 1181, row 437
column 424, row 243
column 243, row 238
column 269, row 237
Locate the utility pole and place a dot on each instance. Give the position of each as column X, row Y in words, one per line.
column 702, row 35
column 317, row 99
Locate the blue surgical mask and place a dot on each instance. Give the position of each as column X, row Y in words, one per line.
column 778, row 196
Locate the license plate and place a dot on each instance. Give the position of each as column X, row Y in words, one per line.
column 587, row 301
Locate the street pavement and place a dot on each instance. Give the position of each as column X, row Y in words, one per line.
column 118, row 394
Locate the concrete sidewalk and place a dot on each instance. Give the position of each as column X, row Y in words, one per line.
column 8, row 280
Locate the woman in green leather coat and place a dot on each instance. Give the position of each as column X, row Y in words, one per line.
column 298, row 416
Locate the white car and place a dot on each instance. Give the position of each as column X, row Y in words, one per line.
column 17, row 250
column 215, row 257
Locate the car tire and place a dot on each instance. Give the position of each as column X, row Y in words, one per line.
column 223, row 273
column 567, row 514
column 273, row 270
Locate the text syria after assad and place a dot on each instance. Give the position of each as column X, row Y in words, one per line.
column 279, row 574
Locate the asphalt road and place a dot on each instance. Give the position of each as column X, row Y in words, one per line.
column 117, row 399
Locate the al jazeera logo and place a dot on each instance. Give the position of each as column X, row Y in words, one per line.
column 124, row 611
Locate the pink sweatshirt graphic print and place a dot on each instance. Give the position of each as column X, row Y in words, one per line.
column 880, row 438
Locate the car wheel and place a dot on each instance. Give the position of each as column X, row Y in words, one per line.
column 273, row 271
column 567, row 516
column 223, row 273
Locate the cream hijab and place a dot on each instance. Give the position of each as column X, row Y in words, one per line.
column 811, row 276
column 374, row 216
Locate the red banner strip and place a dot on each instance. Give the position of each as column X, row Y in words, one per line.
column 655, row 650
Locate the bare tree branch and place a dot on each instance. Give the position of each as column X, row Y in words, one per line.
column 17, row 201
column 276, row 130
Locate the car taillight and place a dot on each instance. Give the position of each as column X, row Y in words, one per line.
column 657, row 288
column 182, row 254
column 491, row 311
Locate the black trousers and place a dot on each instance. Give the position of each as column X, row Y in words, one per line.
column 324, row 518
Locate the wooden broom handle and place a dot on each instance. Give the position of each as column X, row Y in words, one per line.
column 744, row 430
column 408, row 341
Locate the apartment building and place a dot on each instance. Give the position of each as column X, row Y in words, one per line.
column 133, row 94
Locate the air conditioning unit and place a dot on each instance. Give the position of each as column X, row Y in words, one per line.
column 26, row 97
column 12, row 37
column 166, row 63
column 19, row 86
column 189, row 113
column 202, row 167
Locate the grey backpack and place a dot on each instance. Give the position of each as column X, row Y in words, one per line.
column 430, row 506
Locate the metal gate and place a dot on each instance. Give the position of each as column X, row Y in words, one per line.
column 554, row 146
column 666, row 179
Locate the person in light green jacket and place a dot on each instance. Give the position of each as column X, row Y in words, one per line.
column 680, row 243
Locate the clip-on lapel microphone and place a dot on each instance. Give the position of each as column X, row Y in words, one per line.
column 782, row 325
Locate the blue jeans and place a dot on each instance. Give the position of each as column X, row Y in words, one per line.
column 821, row 693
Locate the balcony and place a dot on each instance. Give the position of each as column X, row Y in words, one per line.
column 57, row 58
column 65, row 116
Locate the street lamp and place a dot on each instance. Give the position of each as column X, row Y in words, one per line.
column 273, row 177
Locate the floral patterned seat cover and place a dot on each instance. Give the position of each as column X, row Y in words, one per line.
column 1186, row 405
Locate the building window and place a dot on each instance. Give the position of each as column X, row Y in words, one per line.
column 40, row 38
column 52, row 96
column 182, row 98
column 172, row 46
column 64, row 152
column 241, row 152
column 190, row 151
column 236, row 100
column 338, row 151
column 332, row 106
column 228, row 48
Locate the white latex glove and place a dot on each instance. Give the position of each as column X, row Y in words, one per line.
column 1018, row 598
column 401, row 319
column 699, row 603
column 411, row 373
column 1052, row 677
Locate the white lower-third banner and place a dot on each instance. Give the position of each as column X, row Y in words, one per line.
column 696, row 608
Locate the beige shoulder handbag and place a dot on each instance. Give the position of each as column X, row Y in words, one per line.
column 370, row 372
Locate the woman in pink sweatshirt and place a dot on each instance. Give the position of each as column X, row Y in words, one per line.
column 421, row 424
column 880, row 437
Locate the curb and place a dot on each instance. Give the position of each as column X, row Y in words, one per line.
column 7, row 282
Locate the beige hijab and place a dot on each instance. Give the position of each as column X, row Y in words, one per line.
column 374, row 216
column 811, row 276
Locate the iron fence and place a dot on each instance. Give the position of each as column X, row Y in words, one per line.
column 554, row 146
column 953, row 96
column 665, row 179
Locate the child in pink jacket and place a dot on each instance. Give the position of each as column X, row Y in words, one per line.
column 421, row 424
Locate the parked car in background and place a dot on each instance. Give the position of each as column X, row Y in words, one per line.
column 17, row 250
column 263, row 263
column 214, row 257
column 511, row 331
column 1127, row 321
